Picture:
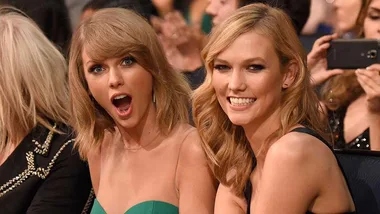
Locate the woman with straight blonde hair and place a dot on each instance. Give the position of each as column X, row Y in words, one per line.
column 40, row 173
column 258, row 118
column 130, row 113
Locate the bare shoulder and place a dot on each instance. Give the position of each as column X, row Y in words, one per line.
column 301, row 150
column 191, row 147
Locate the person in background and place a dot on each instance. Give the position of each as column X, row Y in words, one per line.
column 297, row 10
column 51, row 16
column 142, row 7
column 40, row 171
column 130, row 113
column 259, row 120
column 351, row 97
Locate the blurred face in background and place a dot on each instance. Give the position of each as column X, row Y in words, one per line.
column 221, row 9
column 346, row 13
column 372, row 21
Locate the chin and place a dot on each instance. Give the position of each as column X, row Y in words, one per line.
column 239, row 120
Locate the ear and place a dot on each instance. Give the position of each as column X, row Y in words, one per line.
column 290, row 73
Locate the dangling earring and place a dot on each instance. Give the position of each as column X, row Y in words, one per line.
column 154, row 97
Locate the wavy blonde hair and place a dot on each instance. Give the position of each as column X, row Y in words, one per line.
column 226, row 144
column 33, row 81
column 339, row 91
column 116, row 32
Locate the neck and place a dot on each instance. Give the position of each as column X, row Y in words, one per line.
column 143, row 134
column 258, row 131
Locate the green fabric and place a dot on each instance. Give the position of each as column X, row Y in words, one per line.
column 146, row 207
column 206, row 22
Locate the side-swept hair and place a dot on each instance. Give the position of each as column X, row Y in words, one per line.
column 116, row 32
column 226, row 144
column 33, row 78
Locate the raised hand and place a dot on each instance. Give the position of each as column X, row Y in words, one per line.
column 369, row 79
column 317, row 62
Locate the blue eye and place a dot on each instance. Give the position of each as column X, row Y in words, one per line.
column 128, row 61
column 96, row 69
column 256, row 67
column 220, row 67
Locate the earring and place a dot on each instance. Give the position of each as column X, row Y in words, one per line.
column 154, row 97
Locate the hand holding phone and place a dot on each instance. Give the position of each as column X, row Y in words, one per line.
column 353, row 53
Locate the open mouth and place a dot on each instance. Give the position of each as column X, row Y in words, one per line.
column 122, row 102
column 240, row 101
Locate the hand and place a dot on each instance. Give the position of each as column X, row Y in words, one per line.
column 163, row 6
column 317, row 62
column 182, row 43
column 369, row 79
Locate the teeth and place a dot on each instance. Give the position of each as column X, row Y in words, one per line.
column 120, row 97
column 241, row 101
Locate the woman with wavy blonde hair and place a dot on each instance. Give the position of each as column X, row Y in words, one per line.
column 352, row 97
column 40, row 173
column 258, row 118
column 130, row 113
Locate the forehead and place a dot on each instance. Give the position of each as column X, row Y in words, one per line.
column 249, row 45
column 375, row 4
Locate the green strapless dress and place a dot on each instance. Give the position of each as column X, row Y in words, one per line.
column 146, row 207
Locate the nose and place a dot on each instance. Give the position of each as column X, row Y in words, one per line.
column 115, row 78
column 211, row 8
column 237, row 81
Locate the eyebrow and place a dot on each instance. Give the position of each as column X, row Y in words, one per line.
column 244, row 61
column 375, row 9
column 90, row 61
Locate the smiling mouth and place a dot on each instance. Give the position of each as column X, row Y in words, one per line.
column 235, row 101
column 122, row 103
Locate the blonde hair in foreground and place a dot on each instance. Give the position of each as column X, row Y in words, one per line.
column 112, row 33
column 33, row 81
column 226, row 145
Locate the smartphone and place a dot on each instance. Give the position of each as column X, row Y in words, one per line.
column 353, row 53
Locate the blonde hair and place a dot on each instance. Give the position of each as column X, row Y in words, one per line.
column 116, row 32
column 339, row 91
column 226, row 144
column 33, row 81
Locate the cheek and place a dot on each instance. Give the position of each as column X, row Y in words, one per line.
column 371, row 29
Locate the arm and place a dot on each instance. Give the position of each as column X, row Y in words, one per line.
column 67, row 187
column 195, row 181
column 369, row 79
column 291, row 176
column 227, row 202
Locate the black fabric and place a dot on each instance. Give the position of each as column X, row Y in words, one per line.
column 248, row 187
column 336, row 122
column 362, row 169
column 65, row 189
column 297, row 10
column 196, row 77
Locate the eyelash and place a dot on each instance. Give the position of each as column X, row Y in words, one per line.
column 373, row 17
column 128, row 58
column 131, row 60
column 220, row 67
column 256, row 67
column 251, row 68
column 93, row 68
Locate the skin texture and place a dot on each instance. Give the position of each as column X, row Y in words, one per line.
column 346, row 12
column 221, row 9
